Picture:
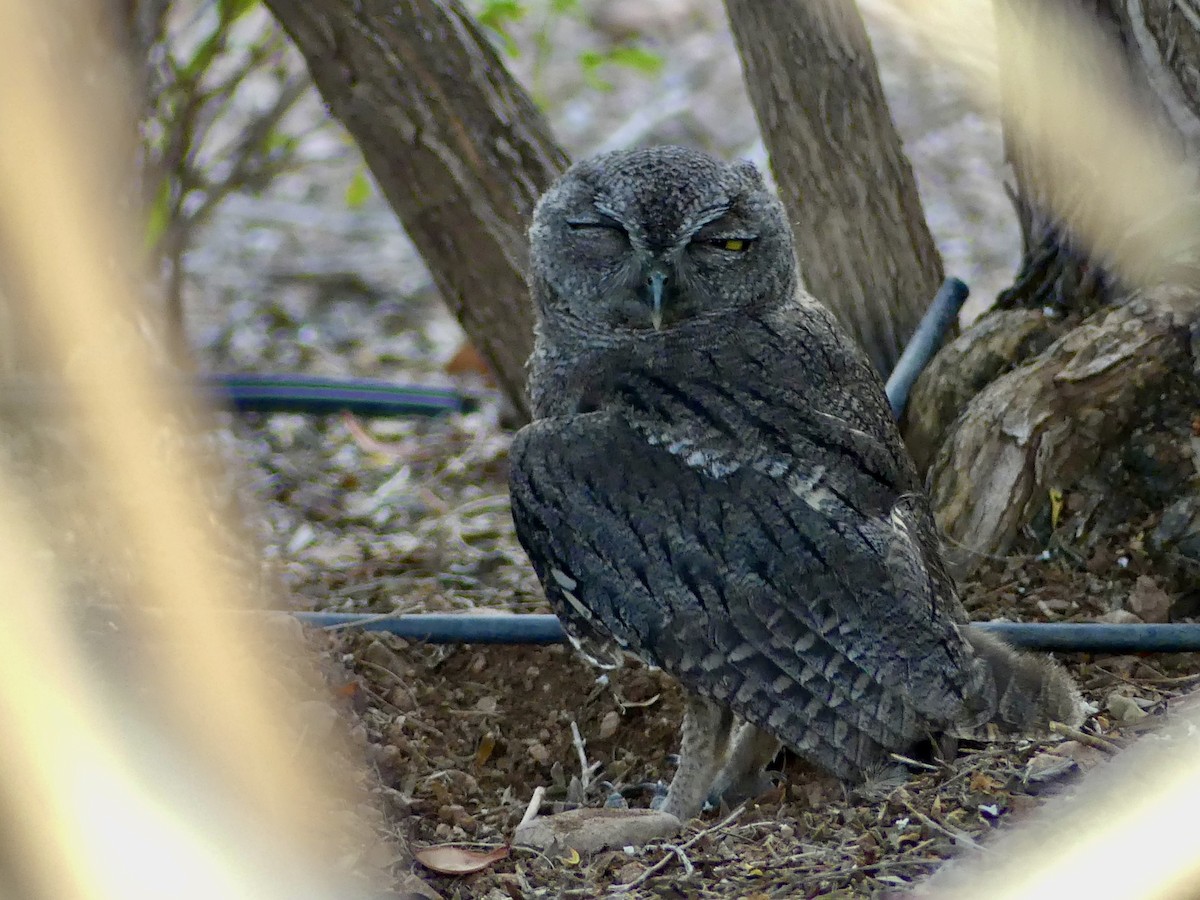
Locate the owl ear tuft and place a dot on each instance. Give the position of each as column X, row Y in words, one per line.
column 749, row 171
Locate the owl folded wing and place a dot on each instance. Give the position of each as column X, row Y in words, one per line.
column 750, row 578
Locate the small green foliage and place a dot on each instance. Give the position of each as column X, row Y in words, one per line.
column 637, row 58
column 160, row 214
column 495, row 15
column 199, row 146
column 628, row 56
column 232, row 10
column 359, row 190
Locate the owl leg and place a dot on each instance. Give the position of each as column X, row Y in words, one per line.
column 702, row 748
column 743, row 774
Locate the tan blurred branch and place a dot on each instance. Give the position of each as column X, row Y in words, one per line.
column 109, row 823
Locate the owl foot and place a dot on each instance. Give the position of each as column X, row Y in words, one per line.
column 590, row 830
column 744, row 774
column 750, row 786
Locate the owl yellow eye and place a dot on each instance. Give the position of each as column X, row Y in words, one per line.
column 733, row 245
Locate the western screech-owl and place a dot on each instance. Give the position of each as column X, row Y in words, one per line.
column 714, row 484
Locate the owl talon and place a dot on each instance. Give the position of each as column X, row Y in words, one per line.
column 749, row 787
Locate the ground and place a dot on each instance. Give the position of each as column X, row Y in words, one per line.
column 463, row 735
column 412, row 515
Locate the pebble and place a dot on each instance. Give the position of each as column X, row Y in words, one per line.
column 1124, row 709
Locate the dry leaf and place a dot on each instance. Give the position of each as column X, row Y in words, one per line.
column 609, row 724
column 1056, row 506
column 484, row 751
column 469, row 361
column 450, row 860
column 984, row 783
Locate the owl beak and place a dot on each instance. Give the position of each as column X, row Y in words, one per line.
column 655, row 283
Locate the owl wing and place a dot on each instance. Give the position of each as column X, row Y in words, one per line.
column 751, row 580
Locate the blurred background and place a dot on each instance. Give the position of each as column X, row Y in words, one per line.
column 235, row 228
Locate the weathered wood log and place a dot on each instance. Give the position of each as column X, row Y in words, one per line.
column 1045, row 423
column 1003, row 418
column 996, row 343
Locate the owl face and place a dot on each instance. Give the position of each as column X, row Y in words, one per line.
column 643, row 241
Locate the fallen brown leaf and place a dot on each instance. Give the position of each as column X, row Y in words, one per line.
column 450, row 860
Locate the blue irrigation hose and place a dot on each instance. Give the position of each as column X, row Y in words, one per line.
column 322, row 396
column 942, row 313
column 278, row 394
column 512, row 628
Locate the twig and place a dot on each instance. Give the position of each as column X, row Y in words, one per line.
column 915, row 763
column 1083, row 737
column 585, row 770
column 676, row 850
column 959, row 837
column 535, row 803
column 688, row 868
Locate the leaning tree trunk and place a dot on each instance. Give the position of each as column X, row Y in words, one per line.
column 1096, row 328
column 457, row 147
column 861, row 237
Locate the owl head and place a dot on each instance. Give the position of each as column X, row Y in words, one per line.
column 646, row 241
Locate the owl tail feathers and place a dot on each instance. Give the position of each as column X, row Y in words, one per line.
column 1020, row 693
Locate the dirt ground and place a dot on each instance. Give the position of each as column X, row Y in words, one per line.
column 461, row 736
column 412, row 516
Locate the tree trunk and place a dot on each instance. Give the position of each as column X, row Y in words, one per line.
column 457, row 147
column 1090, row 338
column 861, row 238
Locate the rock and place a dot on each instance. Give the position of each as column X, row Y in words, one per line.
column 590, row 830
column 1120, row 617
column 1149, row 601
column 1179, row 528
column 1124, row 709
column 1049, row 768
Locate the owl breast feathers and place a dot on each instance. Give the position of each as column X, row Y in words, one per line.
column 713, row 481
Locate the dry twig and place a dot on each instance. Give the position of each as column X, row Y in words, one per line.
column 677, row 850
column 585, row 770
column 960, row 838
column 1083, row 737
column 535, row 803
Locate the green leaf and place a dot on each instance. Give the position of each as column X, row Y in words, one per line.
column 495, row 16
column 563, row 6
column 159, row 214
column 630, row 57
column 232, row 10
column 359, row 190
column 204, row 55
column 591, row 61
column 637, row 58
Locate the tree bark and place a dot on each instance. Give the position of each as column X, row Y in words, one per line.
column 456, row 146
column 1024, row 405
column 861, row 238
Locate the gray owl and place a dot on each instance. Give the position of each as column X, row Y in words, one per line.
column 713, row 483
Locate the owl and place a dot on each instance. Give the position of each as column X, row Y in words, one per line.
column 713, row 484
